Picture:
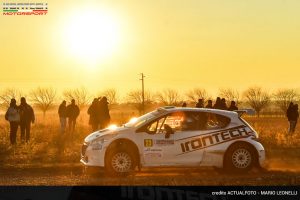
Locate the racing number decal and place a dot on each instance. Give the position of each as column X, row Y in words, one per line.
column 148, row 142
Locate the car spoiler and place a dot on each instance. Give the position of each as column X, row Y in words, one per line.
column 247, row 111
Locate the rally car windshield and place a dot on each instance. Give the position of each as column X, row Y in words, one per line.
column 140, row 120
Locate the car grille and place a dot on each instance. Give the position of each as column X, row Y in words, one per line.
column 83, row 149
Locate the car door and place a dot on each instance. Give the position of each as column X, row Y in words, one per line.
column 158, row 149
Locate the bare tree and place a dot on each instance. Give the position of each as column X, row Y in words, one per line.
column 257, row 98
column 111, row 95
column 135, row 97
column 169, row 97
column 283, row 97
column 80, row 95
column 230, row 94
column 8, row 94
column 43, row 98
column 197, row 93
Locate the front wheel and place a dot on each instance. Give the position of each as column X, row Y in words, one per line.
column 119, row 163
column 239, row 158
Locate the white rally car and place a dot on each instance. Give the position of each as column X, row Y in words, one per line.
column 176, row 136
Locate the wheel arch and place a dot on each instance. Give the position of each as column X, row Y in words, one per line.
column 254, row 150
column 124, row 144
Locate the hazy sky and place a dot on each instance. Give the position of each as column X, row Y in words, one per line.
column 177, row 44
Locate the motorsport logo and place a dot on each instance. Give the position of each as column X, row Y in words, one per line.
column 25, row 8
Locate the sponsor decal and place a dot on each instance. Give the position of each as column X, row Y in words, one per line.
column 148, row 142
column 152, row 150
column 163, row 142
column 214, row 138
column 153, row 155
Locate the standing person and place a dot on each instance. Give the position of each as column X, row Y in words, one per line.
column 223, row 105
column 233, row 106
column 183, row 105
column 12, row 115
column 104, row 117
column 217, row 104
column 209, row 104
column 72, row 113
column 200, row 103
column 289, row 116
column 94, row 115
column 62, row 113
column 294, row 117
column 26, row 118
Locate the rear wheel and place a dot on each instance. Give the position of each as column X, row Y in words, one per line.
column 239, row 158
column 120, row 163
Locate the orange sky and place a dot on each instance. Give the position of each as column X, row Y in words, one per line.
column 177, row 44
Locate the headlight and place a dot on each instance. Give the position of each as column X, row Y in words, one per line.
column 102, row 139
column 97, row 144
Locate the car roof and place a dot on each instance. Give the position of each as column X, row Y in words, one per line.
column 210, row 110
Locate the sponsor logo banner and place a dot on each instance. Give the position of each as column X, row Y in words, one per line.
column 214, row 138
column 24, row 8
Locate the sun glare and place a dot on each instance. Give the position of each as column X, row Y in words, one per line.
column 92, row 35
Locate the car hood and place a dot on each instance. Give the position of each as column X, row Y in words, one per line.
column 103, row 132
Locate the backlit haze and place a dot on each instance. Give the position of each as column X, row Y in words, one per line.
column 176, row 44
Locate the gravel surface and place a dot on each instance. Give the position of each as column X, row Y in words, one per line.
column 78, row 175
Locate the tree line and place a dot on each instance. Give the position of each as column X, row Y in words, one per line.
column 258, row 98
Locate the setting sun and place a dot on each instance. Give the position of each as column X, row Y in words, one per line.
column 92, row 35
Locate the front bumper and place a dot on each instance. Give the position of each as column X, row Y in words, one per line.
column 92, row 156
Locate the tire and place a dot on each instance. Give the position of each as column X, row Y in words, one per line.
column 239, row 158
column 120, row 163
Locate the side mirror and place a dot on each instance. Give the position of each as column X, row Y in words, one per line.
column 169, row 131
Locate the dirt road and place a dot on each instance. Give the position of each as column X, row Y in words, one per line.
column 76, row 175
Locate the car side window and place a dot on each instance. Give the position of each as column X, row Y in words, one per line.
column 156, row 126
column 216, row 121
column 188, row 121
column 204, row 121
column 174, row 120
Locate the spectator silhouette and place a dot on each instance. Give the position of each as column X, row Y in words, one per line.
column 209, row 104
column 26, row 118
column 94, row 114
column 104, row 117
column 217, row 104
column 294, row 115
column 62, row 113
column 12, row 115
column 223, row 105
column 233, row 106
column 289, row 116
column 200, row 103
column 184, row 104
column 72, row 113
